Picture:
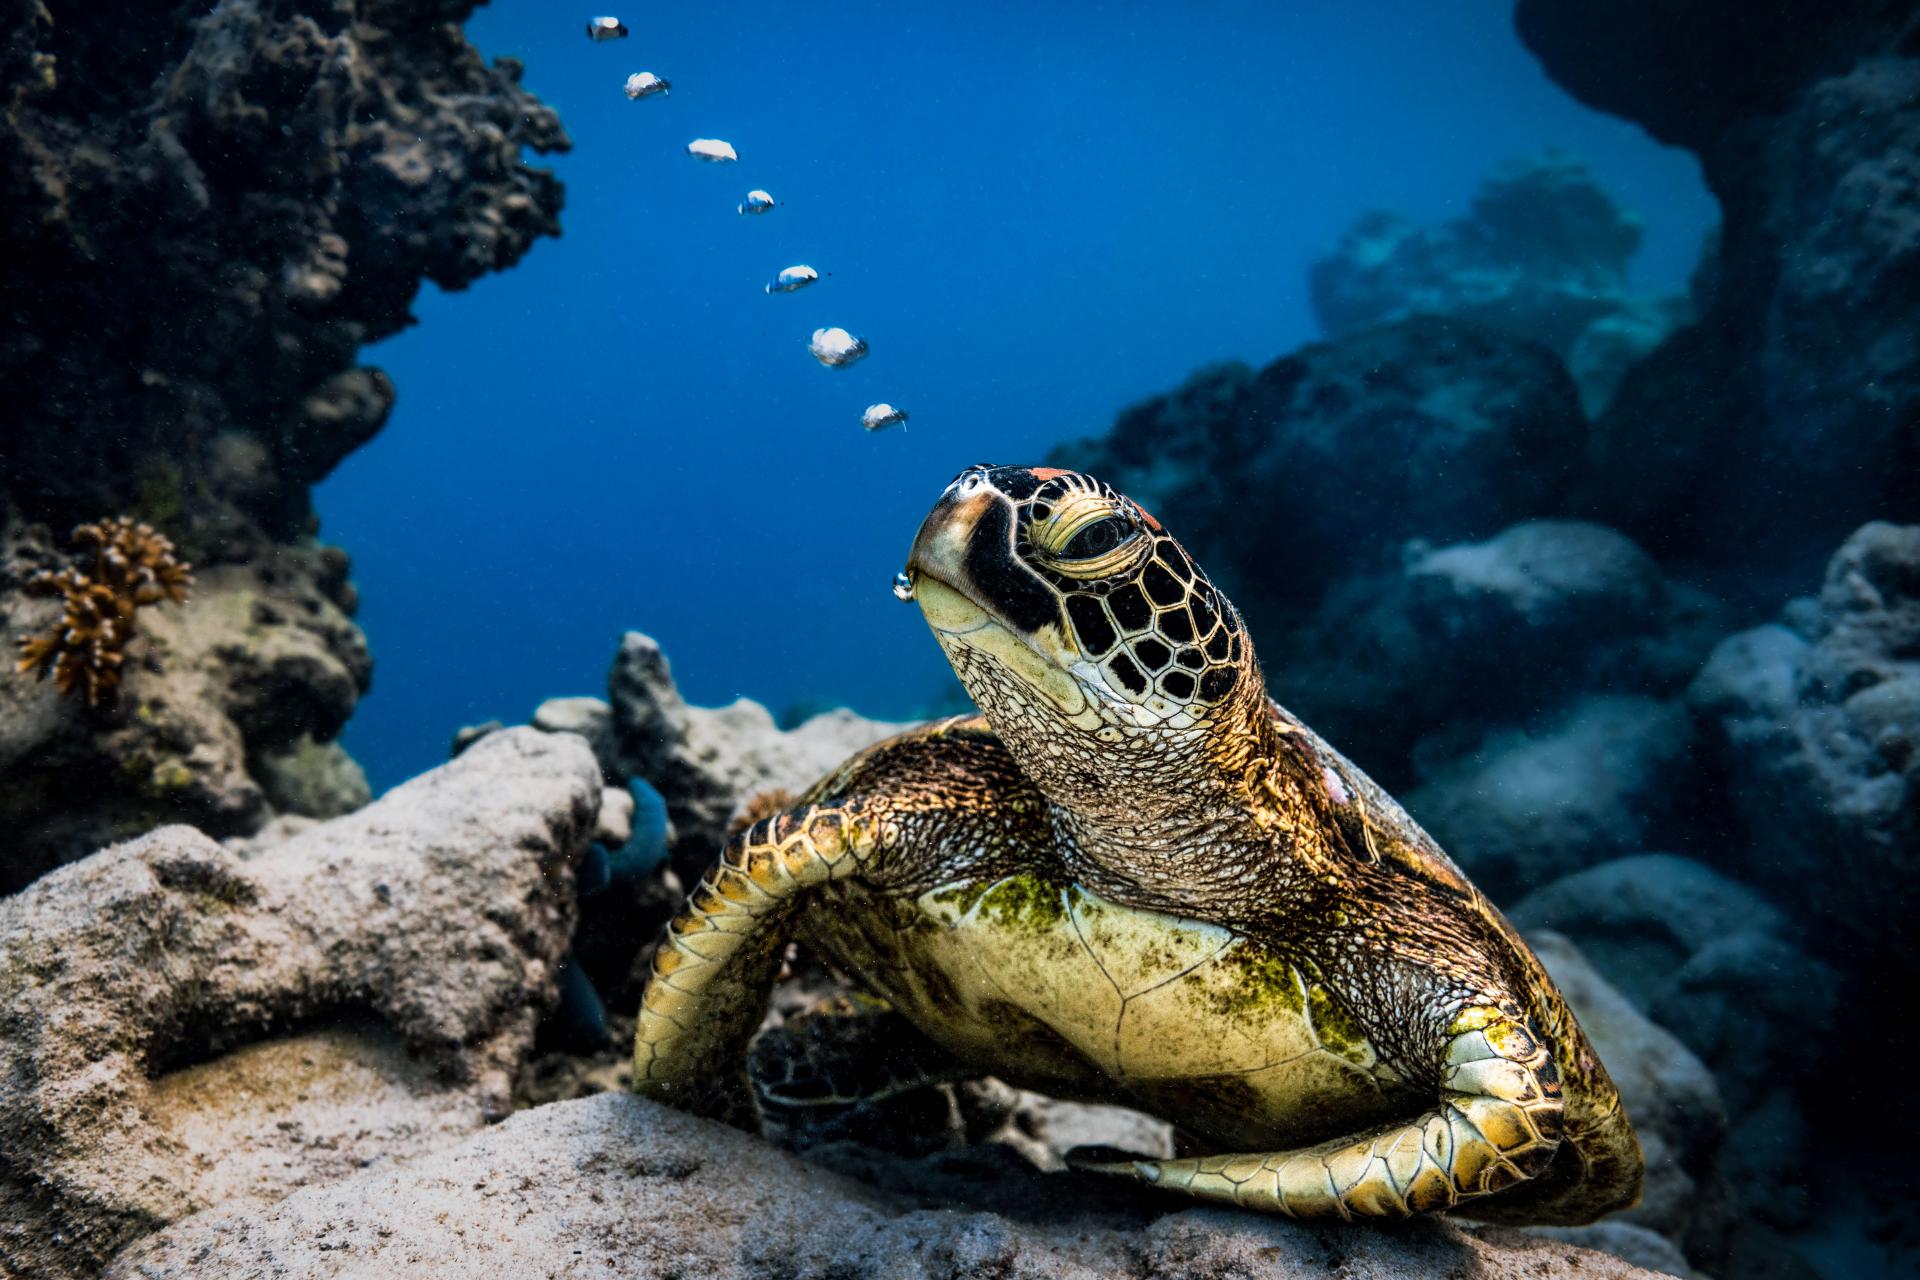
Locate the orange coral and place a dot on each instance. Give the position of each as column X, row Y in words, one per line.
column 132, row 566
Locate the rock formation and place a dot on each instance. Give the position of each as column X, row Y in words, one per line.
column 704, row 766
column 1417, row 665
column 707, row 763
column 1595, row 781
column 225, row 714
column 1672, row 1097
column 209, row 210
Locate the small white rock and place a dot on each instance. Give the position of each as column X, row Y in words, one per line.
column 791, row 278
column 881, row 415
column 757, row 201
column 615, row 826
column 644, row 84
column 712, row 150
column 606, row 28
column 836, row 348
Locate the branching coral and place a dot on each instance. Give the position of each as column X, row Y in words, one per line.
column 132, row 566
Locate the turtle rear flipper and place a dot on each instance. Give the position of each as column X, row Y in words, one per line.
column 1498, row 1123
column 841, row 1059
column 820, row 1077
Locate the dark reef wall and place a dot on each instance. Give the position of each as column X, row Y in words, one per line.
column 206, row 210
column 1791, row 410
column 1687, row 71
column 209, row 210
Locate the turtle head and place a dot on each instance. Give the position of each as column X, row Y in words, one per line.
column 1085, row 633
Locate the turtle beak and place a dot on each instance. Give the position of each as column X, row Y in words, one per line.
column 940, row 548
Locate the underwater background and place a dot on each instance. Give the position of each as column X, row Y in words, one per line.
column 425, row 539
column 1035, row 215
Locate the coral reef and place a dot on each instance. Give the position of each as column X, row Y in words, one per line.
column 208, row 209
column 354, row 995
column 1541, row 256
column 130, row 566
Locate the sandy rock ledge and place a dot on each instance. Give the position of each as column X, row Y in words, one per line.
column 615, row 1186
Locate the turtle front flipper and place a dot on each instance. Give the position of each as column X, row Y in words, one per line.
column 1498, row 1124
column 719, row 957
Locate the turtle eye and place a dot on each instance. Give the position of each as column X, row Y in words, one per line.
column 1097, row 539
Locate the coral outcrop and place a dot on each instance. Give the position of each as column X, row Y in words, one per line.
column 224, row 717
column 708, row 762
column 207, row 210
column 182, row 1025
column 1541, row 255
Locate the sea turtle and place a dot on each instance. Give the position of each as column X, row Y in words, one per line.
column 1136, row 879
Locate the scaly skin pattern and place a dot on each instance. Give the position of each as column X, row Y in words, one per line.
column 1135, row 879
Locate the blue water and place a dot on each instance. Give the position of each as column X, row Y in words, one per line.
column 1035, row 219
